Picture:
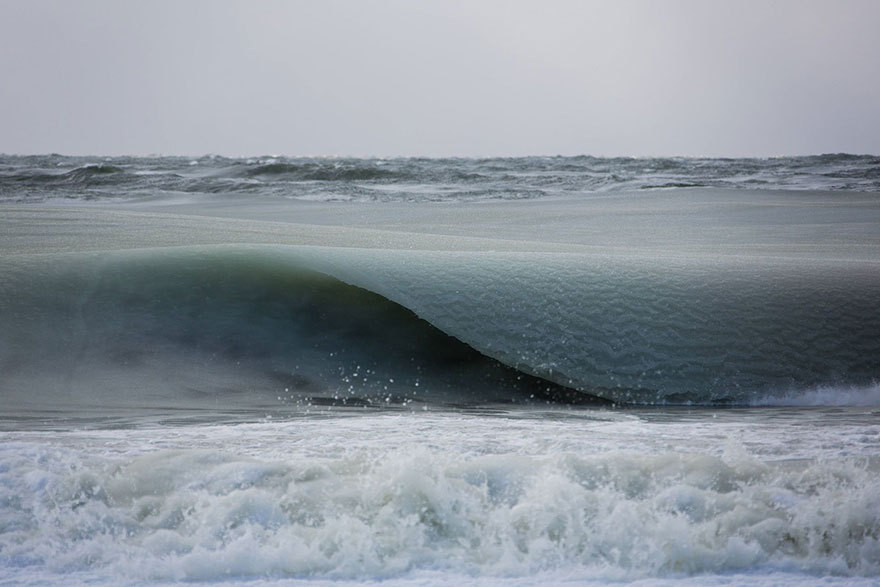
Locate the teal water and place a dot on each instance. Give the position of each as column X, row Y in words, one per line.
column 503, row 371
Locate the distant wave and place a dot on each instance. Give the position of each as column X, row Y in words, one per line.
column 670, row 184
column 318, row 172
column 89, row 170
column 35, row 178
column 84, row 174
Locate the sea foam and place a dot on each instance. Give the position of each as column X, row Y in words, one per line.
column 278, row 502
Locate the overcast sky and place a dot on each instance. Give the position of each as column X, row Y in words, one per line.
column 469, row 78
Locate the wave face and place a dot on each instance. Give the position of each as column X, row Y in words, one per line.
column 194, row 329
column 36, row 178
column 637, row 331
column 259, row 325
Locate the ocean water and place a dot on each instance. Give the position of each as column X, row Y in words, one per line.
column 419, row 371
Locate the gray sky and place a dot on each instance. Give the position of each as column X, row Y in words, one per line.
column 702, row 77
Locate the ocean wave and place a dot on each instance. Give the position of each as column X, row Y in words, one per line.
column 241, row 329
column 208, row 515
column 36, row 178
column 91, row 170
column 827, row 395
column 272, row 325
column 670, row 184
column 323, row 172
column 92, row 173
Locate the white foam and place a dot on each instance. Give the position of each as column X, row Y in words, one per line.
column 828, row 395
column 442, row 498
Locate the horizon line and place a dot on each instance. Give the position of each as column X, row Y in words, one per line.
column 210, row 155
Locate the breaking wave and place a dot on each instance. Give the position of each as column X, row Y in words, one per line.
column 181, row 329
column 255, row 326
column 839, row 395
column 207, row 515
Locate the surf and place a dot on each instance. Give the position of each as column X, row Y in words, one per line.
column 262, row 325
column 447, row 496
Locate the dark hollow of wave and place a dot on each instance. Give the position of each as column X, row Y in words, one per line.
column 193, row 331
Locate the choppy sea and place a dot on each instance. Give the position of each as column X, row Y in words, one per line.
column 546, row 370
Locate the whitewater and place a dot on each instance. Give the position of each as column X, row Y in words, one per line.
column 426, row 371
